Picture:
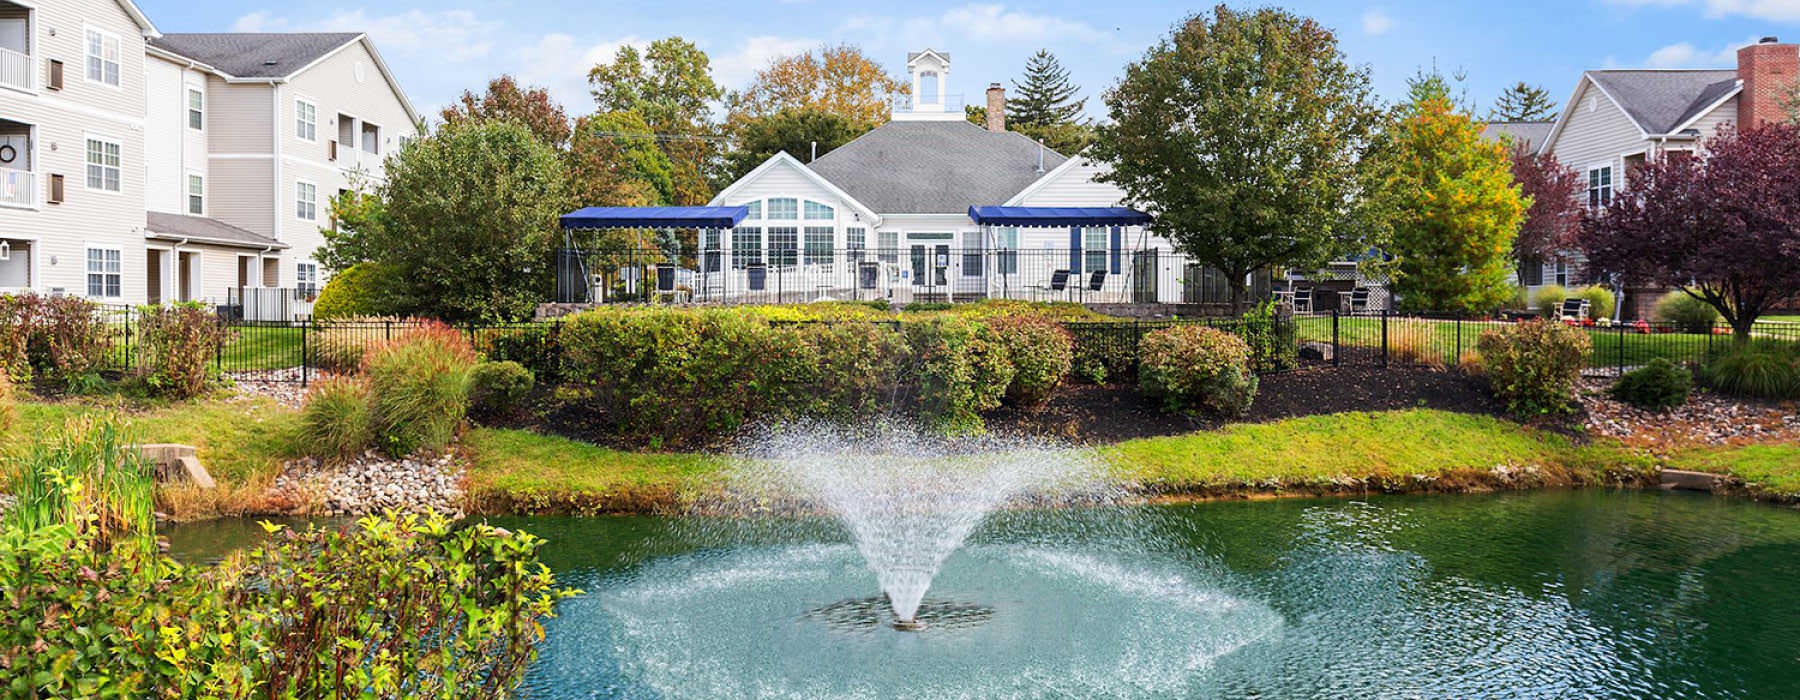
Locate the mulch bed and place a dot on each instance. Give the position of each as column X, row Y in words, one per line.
column 1103, row 414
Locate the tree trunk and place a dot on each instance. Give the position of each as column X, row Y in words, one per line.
column 1741, row 327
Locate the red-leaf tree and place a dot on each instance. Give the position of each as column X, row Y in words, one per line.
column 1553, row 220
column 1723, row 227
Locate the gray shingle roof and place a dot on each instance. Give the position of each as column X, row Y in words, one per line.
column 1527, row 134
column 934, row 167
column 203, row 230
column 1660, row 100
column 254, row 55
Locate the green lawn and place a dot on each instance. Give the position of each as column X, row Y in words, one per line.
column 1773, row 469
column 525, row 471
column 1443, row 341
column 262, row 347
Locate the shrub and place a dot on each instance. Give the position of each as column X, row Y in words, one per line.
column 339, row 346
column 63, row 338
column 335, row 420
column 7, row 402
column 852, row 369
column 1548, row 299
column 1273, row 341
column 961, row 368
column 499, row 388
column 1414, row 344
column 1759, row 371
column 1600, row 301
column 536, row 346
column 1197, row 369
column 176, row 343
column 1534, row 366
column 1689, row 315
column 419, row 384
column 357, row 291
column 1042, row 353
column 1655, row 386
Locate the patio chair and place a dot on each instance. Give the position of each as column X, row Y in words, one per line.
column 1573, row 310
column 1096, row 282
column 757, row 274
column 1359, row 300
column 1303, row 300
column 1059, row 282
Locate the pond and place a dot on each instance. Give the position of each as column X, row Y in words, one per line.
column 1550, row 594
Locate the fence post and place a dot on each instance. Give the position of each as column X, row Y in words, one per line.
column 303, row 367
column 1620, row 332
column 1337, row 352
column 1384, row 338
column 1458, row 358
column 388, row 333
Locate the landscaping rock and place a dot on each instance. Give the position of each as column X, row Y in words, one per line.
column 283, row 386
column 1707, row 419
column 373, row 484
column 1316, row 352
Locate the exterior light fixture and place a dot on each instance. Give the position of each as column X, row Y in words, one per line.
column 5, row 251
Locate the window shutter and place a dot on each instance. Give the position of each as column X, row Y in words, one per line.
column 333, row 155
column 56, row 74
column 1075, row 249
column 1118, row 241
column 56, row 189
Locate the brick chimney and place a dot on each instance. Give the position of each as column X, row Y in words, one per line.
column 1769, row 70
column 996, row 107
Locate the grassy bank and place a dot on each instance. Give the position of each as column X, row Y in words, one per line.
column 1771, row 471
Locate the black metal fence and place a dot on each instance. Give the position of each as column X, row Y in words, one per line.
column 1105, row 350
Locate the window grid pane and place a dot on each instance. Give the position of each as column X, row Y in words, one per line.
column 746, row 247
column 890, row 246
column 784, row 209
column 819, row 245
column 819, row 212
column 784, row 245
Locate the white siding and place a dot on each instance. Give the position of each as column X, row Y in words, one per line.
column 63, row 120
column 1073, row 186
column 1597, row 133
column 172, row 150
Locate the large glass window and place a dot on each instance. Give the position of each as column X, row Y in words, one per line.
column 1600, row 186
column 711, row 250
column 819, row 245
column 746, row 247
column 819, row 212
column 103, row 272
column 1006, row 239
column 784, row 245
column 102, row 57
column 103, row 165
column 1094, row 247
column 306, row 121
column 889, row 249
column 784, row 209
column 856, row 240
column 755, row 210
column 306, row 280
column 972, row 254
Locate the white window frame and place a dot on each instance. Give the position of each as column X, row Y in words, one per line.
column 191, row 196
column 306, row 209
column 88, row 57
column 362, row 143
column 826, row 211
column 117, row 273
column 306, row 280
column 1605, row 192
column 769, row 210
column 118, row 168
column 756, row 210
column 196, row 112
column 1089, row 250
column 310, row 132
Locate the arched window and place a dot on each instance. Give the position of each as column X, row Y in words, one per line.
column 784, row 209
column 818, row 212
column 928, row 87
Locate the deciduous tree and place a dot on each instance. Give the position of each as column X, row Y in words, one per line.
column 505, row 99
column 837, row 79
column 670, row 85
column 1453, row 208
column 797, row 131
column 1523, row 102
column 614, row 161
column 1242, row 133
column 1553, row 219
column 1724, row 228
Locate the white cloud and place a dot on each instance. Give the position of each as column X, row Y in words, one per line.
column 1771, row 10
column 1375, row 22
column 734, row 70
column 1686, row 55
column 453, row 35
column 560, row 64
column 997, row 23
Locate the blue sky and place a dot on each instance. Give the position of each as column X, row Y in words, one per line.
column 440, row 48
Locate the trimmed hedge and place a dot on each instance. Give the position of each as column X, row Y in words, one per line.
column 498, row 388
column 1534, row 366
column 962, row 370
column 1196, row 369
column 1655, row 386
column 1042, row 353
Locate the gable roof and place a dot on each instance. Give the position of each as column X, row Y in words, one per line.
column 1528, row 135
column 204, row 230
column 935, row 167
column 138, row 17
column 256, row 55
column 1661, row 100
column 781, row 158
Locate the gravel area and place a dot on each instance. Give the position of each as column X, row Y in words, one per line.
column 1706, row 419
column 371, row 484
column 281, row 385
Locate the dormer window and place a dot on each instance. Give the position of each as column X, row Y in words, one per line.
column 928, row 87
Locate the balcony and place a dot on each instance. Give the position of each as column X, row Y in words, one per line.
column 15, row 70
column 18, row 189
column 907, row 104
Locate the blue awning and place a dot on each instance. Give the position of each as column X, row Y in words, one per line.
column 654, row 217
column 1058, row 216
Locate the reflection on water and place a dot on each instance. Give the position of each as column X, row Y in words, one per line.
column 1586, row 594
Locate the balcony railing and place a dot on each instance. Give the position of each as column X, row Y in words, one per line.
column 909, row 103
column 18, row 188
column 15, row 70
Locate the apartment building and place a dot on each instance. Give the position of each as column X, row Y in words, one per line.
column 137, row 166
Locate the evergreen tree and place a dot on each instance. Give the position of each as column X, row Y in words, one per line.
column 1046, row 98
column 1523, row 103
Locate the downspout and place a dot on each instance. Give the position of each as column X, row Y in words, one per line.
column 275, row 158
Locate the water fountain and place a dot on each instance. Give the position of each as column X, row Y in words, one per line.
column 911, row 497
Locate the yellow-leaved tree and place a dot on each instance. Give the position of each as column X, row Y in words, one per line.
column 837, row 79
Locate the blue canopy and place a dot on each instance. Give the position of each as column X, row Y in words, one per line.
column 1058, row 216
column 655, row 217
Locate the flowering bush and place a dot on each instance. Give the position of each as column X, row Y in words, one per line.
column 419, row 388
column 176, row 343
column 1534, row 366
column 1197, row 369
column 1042, row 352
